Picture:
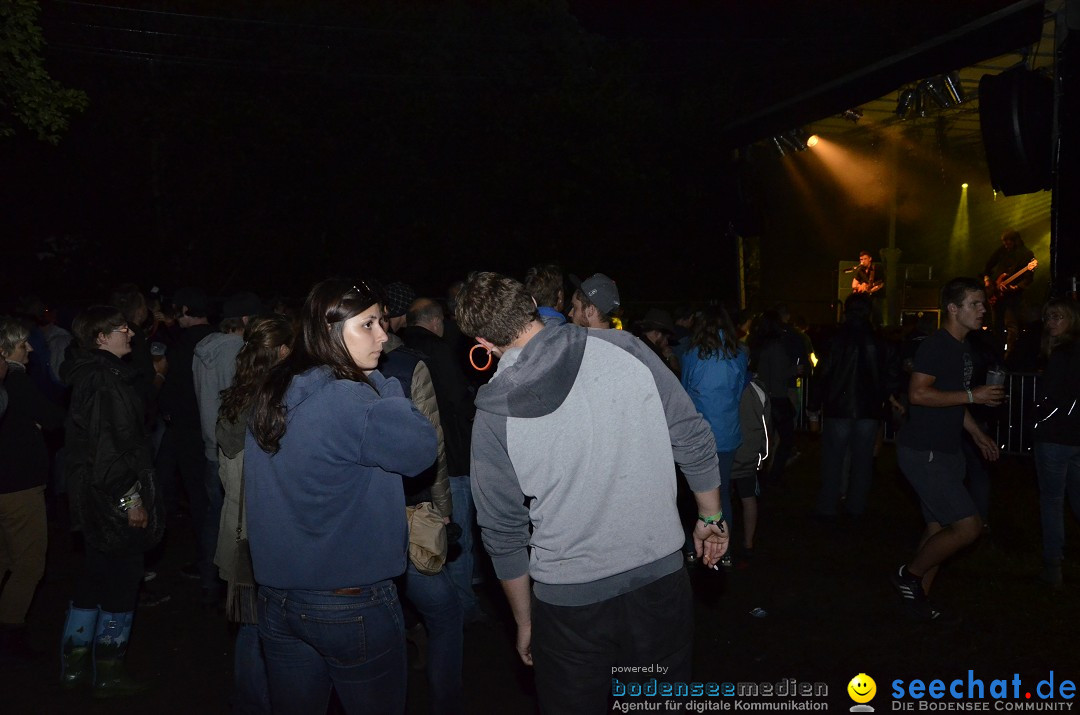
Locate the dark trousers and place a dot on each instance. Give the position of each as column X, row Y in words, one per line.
column 182, row 450
column 576, row 648
column 783, row 415
column 109, row 580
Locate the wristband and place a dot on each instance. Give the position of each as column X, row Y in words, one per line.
column 971, row 398
column 717, row 518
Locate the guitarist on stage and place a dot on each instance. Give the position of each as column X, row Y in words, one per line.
column 868, row 278
column 1007, row 274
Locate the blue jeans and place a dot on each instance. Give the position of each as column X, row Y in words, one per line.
column 460, row 569
column 251, row 692
column 436, row 600
column 1058, row 468
column 837, row 436
column 315, row 640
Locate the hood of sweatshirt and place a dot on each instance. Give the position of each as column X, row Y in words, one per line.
column 211, row 348
column 534, row 380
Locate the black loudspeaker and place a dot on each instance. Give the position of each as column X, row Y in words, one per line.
column 1016, row 112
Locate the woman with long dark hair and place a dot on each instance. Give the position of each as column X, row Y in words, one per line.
column 1057, row 429
column 108, row 465
column 267, row 341
column 714, row 373
column 330, row 439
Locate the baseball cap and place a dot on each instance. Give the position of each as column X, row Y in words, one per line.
column 194, row 298
column 241, row 304
column 601, row 292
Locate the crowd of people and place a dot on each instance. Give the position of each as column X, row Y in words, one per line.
column 536, row 414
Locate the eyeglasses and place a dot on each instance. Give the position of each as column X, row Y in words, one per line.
column 124, row 329
column 1055, row 316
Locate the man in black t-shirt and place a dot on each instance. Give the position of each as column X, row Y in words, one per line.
column 929, row 446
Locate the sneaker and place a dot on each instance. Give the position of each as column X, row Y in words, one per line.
column 908, row 587
column 190, row 570
column 149, row 599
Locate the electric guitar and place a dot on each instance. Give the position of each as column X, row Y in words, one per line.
column 1004, row 282
column 868, row 288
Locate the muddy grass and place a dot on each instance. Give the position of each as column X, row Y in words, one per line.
column 829, row 613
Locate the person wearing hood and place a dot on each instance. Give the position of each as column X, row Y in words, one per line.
column 329, row 441
column 213, row 368
column 112, row 488
column 574, row 450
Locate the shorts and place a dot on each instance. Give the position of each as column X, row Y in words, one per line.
column 938, row 479
column 744, row 484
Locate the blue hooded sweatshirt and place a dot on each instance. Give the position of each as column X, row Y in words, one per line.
column 328, row 510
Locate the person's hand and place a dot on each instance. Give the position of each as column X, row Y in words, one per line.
column 524, row 643
column 710, row 542
column 137, row 517
column 990, row 395
column 987, row 447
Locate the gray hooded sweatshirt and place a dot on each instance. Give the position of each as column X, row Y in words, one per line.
column 214, row 367
column 577, row 436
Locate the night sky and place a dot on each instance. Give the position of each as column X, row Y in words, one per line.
column 416, row 141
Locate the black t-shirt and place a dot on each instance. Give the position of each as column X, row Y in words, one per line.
column 949, row 362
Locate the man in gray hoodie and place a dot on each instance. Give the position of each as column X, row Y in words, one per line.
column 574, row 449
column 214, row 368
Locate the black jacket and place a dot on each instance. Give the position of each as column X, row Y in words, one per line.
column 856, row 375
column 108, row 451
column 451, row 391
column 177, row 402
column 1057, row 405
column 24, row 457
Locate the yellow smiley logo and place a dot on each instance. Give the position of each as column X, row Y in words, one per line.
column 862, row 688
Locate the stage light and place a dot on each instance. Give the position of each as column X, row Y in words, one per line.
column 963, row 185
column 904, row 102
column 813, row 140
column 934, row 87
column 953, row 87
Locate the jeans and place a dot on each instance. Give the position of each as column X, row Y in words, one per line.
column 575, row 648
column 460, row 569
column 315, row 640
column 437, row 601
column 837, row 436
column 215, row 497
column 1058, row 468
column 251, row 692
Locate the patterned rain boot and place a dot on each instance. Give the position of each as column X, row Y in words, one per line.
column 110, row 644
column 76, row 665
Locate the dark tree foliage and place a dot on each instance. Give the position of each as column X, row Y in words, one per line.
column 28, row 95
